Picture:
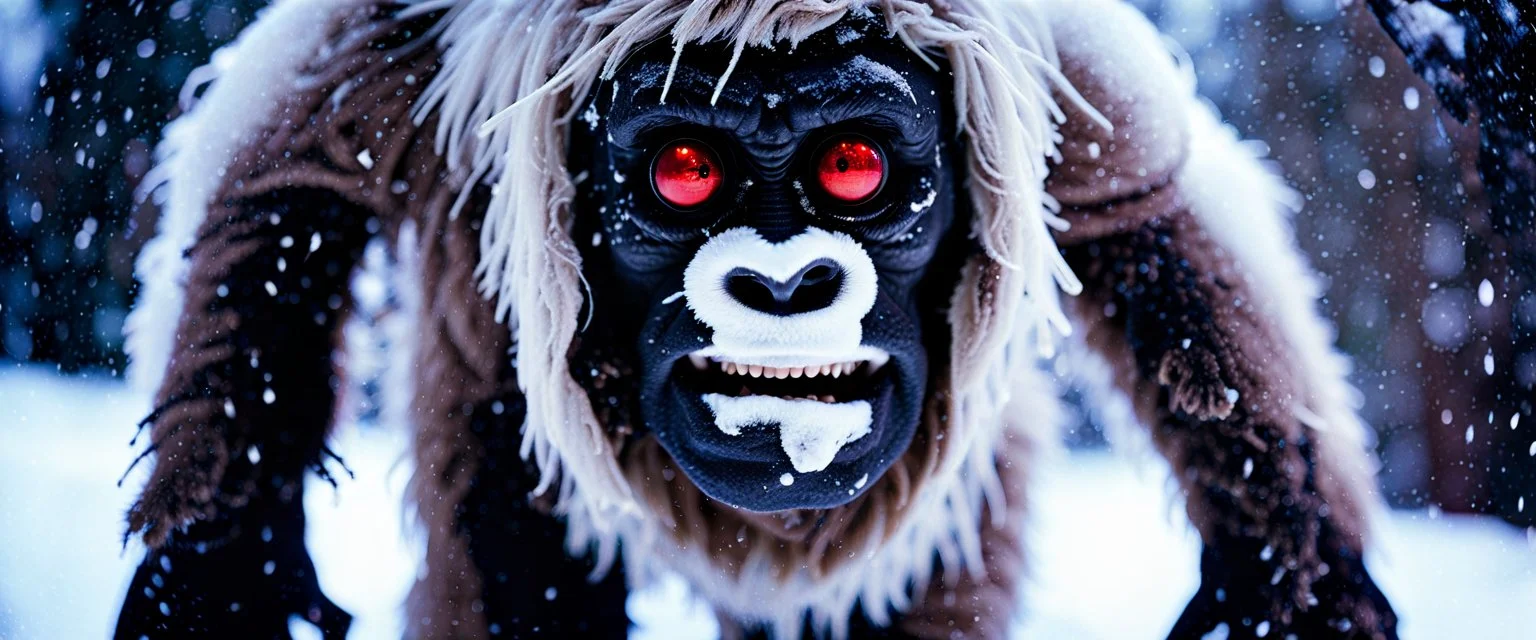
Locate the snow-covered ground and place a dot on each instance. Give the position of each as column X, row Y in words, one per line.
column 1112, row 556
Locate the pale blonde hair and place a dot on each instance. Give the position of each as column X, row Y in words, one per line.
column 515, row 73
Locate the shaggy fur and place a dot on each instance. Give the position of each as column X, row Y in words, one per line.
column 1185, row 294
column 1002, row 61
column 430, row 113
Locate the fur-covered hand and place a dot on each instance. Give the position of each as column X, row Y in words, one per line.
column 1243, row 591
column 242, row 574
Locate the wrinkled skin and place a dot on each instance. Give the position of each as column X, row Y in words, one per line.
column 767, row 129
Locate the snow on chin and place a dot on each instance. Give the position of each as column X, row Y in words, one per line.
column 811, row 432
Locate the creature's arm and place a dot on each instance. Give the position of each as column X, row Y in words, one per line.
column 497, row 556
column 241, row 415
column 245, row 407
column 529, row 585
column 1196, row 294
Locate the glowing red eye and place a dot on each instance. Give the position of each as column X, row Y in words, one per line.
column 850, row 170
column 686, row 174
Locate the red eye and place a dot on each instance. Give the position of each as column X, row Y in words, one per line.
column 686, row 174
column 850, row 169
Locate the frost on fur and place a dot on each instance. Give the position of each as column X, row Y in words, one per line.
column 512, row 364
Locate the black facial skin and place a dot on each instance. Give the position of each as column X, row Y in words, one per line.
column 778, row 109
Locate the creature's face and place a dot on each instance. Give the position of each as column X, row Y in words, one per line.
column 771, row 250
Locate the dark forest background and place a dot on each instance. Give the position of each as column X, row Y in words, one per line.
column 1420, row 284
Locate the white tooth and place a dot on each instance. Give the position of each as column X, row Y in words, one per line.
column 795, row 372
column 828, row 399
column 826, row 369
column 755, row 370
column 730, row 368
column 837, row 370
column 698, row 362
column 781, row 373
column 848, row 367
column 811, row 372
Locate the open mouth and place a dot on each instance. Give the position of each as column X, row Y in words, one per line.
column 766, row 428
column 813, row 408
column 824, row 380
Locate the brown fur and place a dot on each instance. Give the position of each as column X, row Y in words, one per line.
column 462, row 361
column 1230, row 347
column 971, row 605
column 1173, row 314
column 192, row 453
column 1120, row 191
column 461, row 355
column 1247, row 467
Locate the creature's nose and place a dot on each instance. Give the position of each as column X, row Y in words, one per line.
column 814, row 287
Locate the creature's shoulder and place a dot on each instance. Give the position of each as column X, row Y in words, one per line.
column 1116, row 59
column 346, row 121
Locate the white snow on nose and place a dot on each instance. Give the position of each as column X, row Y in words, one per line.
column 743, row 332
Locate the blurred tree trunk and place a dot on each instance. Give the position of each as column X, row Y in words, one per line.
column 1479, row 56
column 1399, row 223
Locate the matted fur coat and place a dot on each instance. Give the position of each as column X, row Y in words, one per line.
column 451, row 118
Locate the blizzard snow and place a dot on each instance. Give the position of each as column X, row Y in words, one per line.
column 1111, row 555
